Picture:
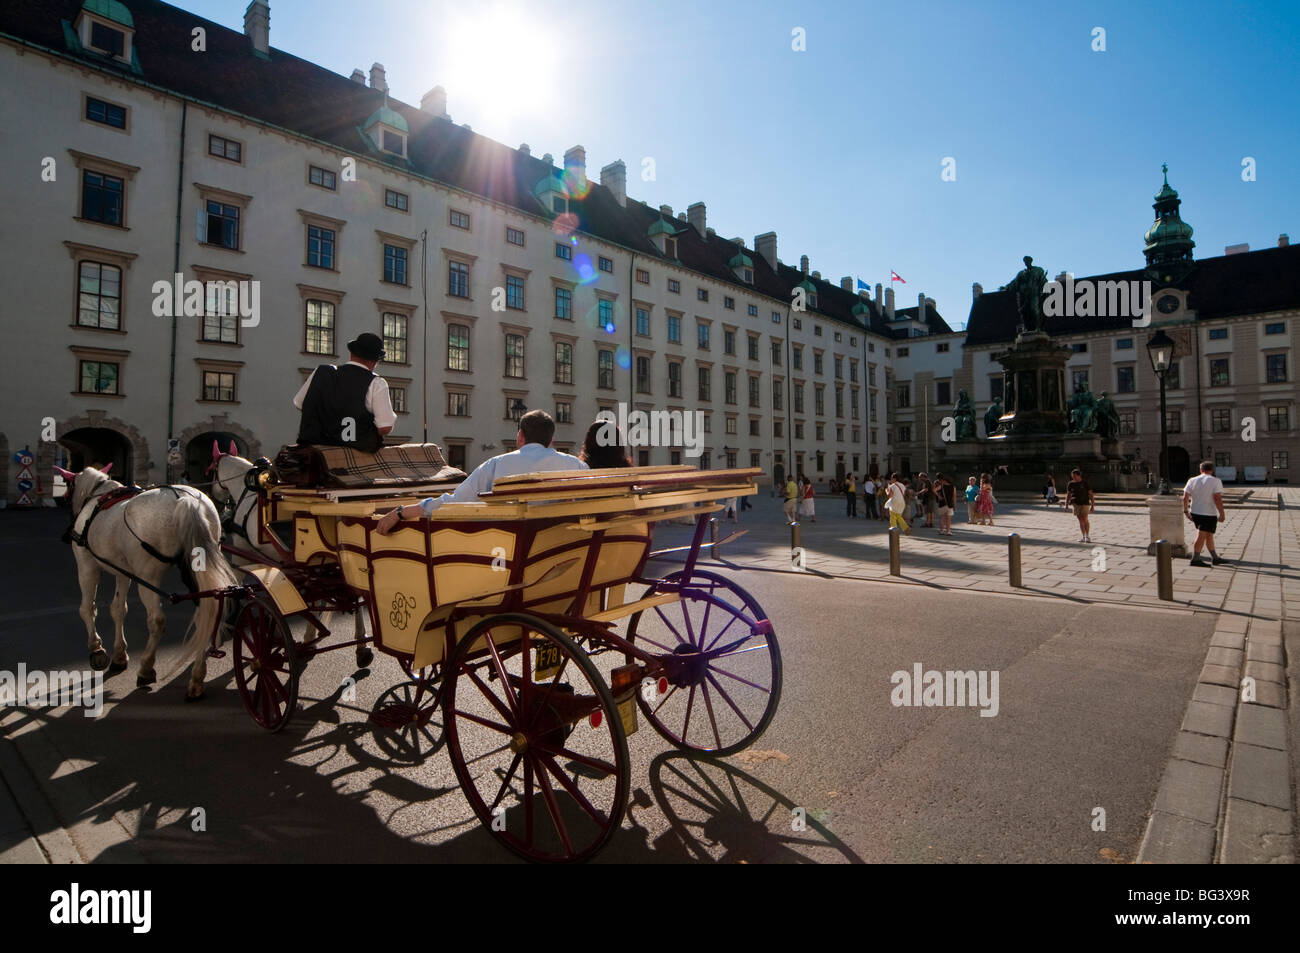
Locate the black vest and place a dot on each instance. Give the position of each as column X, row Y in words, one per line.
column 337, row 393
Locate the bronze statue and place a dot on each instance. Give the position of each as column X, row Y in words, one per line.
column 964, row 414
column 1083, row 411
column 1107, row 418
column 992, row 416
column 1028, row 286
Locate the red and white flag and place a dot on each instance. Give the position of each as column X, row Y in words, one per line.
column 895, row 276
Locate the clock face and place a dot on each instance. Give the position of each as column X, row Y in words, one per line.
column 1167, row 304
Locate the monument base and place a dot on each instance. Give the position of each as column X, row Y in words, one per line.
column 1167, row 522
column 1028, row 459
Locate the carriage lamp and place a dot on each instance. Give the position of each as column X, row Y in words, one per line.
column 1160, row 348
column 518, row 408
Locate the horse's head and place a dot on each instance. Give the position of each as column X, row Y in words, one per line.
column 85, row 484
column 227, row 471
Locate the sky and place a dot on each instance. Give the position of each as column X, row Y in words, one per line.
column 840, row 147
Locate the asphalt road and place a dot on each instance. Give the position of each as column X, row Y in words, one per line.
column 1090, row 698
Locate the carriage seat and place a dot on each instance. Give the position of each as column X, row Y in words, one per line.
column 407, row 464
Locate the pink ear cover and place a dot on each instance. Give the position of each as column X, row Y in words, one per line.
column 108, row 466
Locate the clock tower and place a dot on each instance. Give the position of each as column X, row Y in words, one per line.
column 1169, row 240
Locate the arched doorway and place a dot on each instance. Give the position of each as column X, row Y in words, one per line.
column 1177, row 465
column 198, row 452
column 97, row 447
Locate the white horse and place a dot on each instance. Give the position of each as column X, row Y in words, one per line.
column 175, row 523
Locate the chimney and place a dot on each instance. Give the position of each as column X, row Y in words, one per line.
column 614, row 178
column 695, row 215
column 549, row 159
column 889, row 304
column 803, row 264
column 847, row 283
column 1236, row 249
column 1283, row 240
column 709, row 234
column 434, row 102
column 817, row 275
column 878, row 298
column 739, row 243
column 575, row 161
column 358, row 77
column 976, row 290
column 765, row 245
column 257, row 26
column 524, row 150
column 378, row 80
column 681, row 216
column 920, row 307
column 666, row 211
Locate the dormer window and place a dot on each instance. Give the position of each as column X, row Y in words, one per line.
column 670, row 247
column 107, row 40
column 394, row 142
column 559, row 204
column 105, row 27
column 749, row 276
column 387, row 130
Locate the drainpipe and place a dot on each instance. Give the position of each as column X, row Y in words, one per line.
column 176, row 267
column 631, row 352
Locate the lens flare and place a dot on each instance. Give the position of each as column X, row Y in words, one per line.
column 577, row 184
column 565, row 224
column 623, row 357
column 587, row 273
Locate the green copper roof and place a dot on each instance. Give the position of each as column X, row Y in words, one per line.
column 808, row 286
column 110, row 10
column 660, row 227
column 550, row 183
column 861, row 308
column 1168, row 230
column 388, row 117
column 741, row 261
column 1166, row 192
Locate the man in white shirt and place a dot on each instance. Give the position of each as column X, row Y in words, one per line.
column 347, row 406
column 1203, row 496
column 536, row 428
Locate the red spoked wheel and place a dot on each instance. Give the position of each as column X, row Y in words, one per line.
column 266, row 669
column 536, row 739
column 722, row 664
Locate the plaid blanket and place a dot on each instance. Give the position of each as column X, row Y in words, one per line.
column 400, row 465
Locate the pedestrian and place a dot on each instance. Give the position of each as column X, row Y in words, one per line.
column 947, row 502
column 897, row 504
column 745, row 504
column 985, row 500
column 882, row 497
column 972, row 491
column 868, row 497
column 1049, row 491
column 851, row 495
column 791, row 499
column 1079, row 495
column 1203, row 495
column 732, row 508
column 925, row 497
column 806, row 501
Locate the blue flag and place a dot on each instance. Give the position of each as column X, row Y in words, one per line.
column 863, row 286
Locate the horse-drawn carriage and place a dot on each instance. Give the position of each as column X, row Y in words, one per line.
column 506, row 614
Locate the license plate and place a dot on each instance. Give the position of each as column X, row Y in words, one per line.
column 548, row 660
column 627, row 712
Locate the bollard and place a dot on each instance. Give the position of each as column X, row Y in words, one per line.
column 895, row 555
column 1280, row 505
column 713, row 531
column 1013, row 560
column 1165, row 570
column 796, row 537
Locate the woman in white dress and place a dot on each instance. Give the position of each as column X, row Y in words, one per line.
column 806, row 500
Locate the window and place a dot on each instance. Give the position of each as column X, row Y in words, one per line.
column 839, row 402
column 514, row 408
column 1276, row 368
column 559, row 205
column 728, row 341
column 1219, row 372
column 674, row 329
column 753, row 347
column 606, row 264
column 563, row 362
column 605, row 369
column 395, row 264
column 515, row 292
column 1220, row 420
column 397, row 397
column 320, row 246
column 108, row 113
column 322, row 177
column 320, row 326
column 1276, row 328
column 1127, row 423
column 1078, row 380
column 674, row 379
column 1223, row 459
column 1079, row 348
column 1279, row 460
column 224, row 148
column 99, row 296
column 798, row 430
column 941, row 348
column 1124, row 344
column 820, row 431
column 904, row 395
column 819, row 401
column 753, row 392
column 107, row 40
column 564, row 251
column 839, row 367
column 457, row 218
column 838, row 337
column 1124, row 380
column 674, row 286
column 514, row 355
column 394, row 337
column 564, row 304
column 605, row 310
column 729, row 385
column 97, row 377
column 222, row 224
column 702, row 335
column 839, row 433
column 457, row 404
column 776, row 353
column 219, row 385
column 397, row 200
column 798, row 397
column 754, row 427
column 1174, row 421
column 220, row 314
column 642, row 276
column 457, row 347
column 705, row 378
column 458, row 279
column 778, row 428
column 853, row 371
column 701, row 294
column 643, row 374
column 905, row 433
column 515, row 236
column 778, row 396
column 904, row 351
column 729, row 303
column 871, row 347
column 563, row 412
column 749, row 276
column 819, row 363
column 1278, row 419
column 943, row 393
column 817, row 329
column 1218, row 334
column 670, row 248
column 776, row 319
column 1172, row 381
column 753, row 310
column 101, row 197
column 643, row 322
column 796, row 356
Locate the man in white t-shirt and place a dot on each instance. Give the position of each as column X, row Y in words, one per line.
column 1203, row 505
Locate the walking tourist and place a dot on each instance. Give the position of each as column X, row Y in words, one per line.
column 791, row 499
column 985, row 501
column 897, row 504
column 1203, row 496
column 851, row 495
column 946, row 495
column 1079, row 495
column 806, row 510
column 925, row 497
column 868, row 497
column 972, row 491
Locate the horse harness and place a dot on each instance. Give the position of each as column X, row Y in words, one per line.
column 108, row 500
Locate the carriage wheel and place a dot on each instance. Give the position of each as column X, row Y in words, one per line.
column 265, row 667
column 727, row 683
column 543, row 761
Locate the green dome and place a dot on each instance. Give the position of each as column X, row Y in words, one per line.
column 110, row 10
column 658, row 227
column 1168, row 230
column 741, row 261
column 388, row 117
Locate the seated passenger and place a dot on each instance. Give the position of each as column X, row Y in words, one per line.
column 333, row 396
column 602, row 448
column 536, row 428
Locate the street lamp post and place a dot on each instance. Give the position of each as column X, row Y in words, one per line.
column 1161, row 350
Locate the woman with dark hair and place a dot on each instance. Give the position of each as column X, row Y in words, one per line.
column 602, row 448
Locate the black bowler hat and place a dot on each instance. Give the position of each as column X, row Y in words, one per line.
column 367, row 346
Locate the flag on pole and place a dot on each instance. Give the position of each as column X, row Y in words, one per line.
column 863, row 286
column 895, row 276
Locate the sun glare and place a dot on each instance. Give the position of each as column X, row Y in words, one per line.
column 499, row 65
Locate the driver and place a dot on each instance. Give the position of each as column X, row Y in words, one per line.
column 334, row 397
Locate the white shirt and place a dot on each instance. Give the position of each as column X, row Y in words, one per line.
column 377, row 400
column 897, row 501
column 530, row 458
column 1202, row 489
column 869, row 488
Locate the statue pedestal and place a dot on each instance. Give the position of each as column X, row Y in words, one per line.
column 1167, row 522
